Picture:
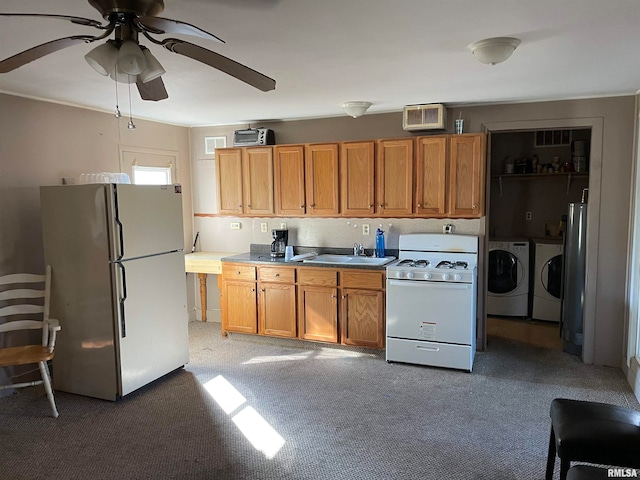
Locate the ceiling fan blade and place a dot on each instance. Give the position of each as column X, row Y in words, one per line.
column 22, row 58
column 77, row 20
column 215, row 60
column 161, row 26
column 152, row 90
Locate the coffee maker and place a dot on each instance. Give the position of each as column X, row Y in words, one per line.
column 279, row 244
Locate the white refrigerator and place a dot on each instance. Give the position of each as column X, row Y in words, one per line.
column 118, row 285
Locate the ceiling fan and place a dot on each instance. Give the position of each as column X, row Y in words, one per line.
column 123, row 58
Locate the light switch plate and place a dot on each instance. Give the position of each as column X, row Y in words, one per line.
column 283, row 226
column 235, row 225
column 365, row 229
column 263, row 227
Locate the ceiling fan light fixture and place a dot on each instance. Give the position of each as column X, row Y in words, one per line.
column 130, row 58
column 153, row 68
column 355, row 109
column 102, row 58
column 494, row 50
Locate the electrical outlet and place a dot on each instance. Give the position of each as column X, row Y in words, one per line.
column 263, row 227
column 235, row 225
column 448, row 228
column 528, row 215
column 283, row 226
column 365, row 229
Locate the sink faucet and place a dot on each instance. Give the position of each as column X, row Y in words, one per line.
column 358, row 250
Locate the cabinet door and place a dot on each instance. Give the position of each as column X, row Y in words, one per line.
column 240, row 313
column 467, row 175
column 321, row 167
column 318, row 313
column 277, row 310
column 362, row 318
column 229, row 180
column 289, row 180
column 394, row 171
column 357, row 187
column 258, row 180
column 431, row 179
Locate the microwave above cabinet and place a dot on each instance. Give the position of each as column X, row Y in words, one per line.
column 253, row 136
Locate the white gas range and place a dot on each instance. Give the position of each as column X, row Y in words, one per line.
column 431, row 301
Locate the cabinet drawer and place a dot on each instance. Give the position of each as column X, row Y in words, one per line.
column 318, row 276
column 277, row 274
column 355, row 279
column 234, row 271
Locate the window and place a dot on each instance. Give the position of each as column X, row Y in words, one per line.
column 143, row 175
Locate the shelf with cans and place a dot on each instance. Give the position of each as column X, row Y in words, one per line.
column 529, row 168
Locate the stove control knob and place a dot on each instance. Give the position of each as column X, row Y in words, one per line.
column 457, row 277
column 427, row 276
column 399, row 274
column 445, row 276
column 410, row 275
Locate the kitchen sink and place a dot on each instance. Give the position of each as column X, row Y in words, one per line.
column 349, row 260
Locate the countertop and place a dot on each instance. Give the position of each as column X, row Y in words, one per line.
column 261, row 255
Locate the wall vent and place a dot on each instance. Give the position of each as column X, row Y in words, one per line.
column 424, row 117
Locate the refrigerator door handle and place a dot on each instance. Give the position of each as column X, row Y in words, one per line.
column 122, row 299
column 116, row 217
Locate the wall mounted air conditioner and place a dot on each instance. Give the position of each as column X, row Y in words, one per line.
column 424, row 117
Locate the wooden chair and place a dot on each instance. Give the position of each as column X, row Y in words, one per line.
column 20, row 303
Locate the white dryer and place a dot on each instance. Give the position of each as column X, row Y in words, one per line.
column 508, row 283
column 547, row 280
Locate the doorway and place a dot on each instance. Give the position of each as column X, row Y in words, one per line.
column 543, row 226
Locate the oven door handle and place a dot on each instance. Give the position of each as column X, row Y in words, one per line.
column 428, row 284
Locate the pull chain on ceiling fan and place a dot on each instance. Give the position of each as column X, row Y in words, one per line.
column 123, row 58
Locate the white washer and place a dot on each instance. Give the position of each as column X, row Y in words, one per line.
column 508, row 285
column 547, row 280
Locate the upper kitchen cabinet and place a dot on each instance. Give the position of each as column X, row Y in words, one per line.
column 257, row 165
column 289, row 180
column 431, row 175
column 321, row 180
column 357, row 187
column 394, row 177
column 244, row 179
column 467, row 175
column 306, row 179
column 229, row 180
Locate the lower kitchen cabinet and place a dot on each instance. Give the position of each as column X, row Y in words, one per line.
column 318, row 316
column 318, row 304
column 277, row 310
column 240, row 311
column 277, row 301
column 311, row 303
column 362, row 318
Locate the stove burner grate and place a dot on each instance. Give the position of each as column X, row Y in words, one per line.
column 449, row 264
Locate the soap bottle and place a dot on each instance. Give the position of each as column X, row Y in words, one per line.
column 379, row 243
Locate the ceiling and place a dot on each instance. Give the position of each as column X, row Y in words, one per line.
column 323, row 53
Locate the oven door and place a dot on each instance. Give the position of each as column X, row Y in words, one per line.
column 432, row 311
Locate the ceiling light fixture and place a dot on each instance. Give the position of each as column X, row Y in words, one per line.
column 355, row 109
column 130, row 58
column 494, row 50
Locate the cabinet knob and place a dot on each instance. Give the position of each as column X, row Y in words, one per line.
column 313, row 205
column 344, row 296
column 237, row 273
column 248, row 206
column 301, row 206
column 381, row 205
column 333, row 296
column 240, row 206
column 277, row 274
column 371, row 206
column 262, row 289
column 253, row 289
column 419, row 205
